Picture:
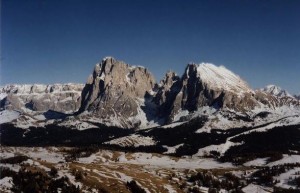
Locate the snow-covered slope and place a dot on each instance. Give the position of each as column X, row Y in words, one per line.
column 221, row 78
column 8, row 116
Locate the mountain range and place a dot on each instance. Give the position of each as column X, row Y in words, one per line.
column 207, row 108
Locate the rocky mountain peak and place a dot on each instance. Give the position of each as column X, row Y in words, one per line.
column 169, row 78
column 114, row 88
column 204, row 85
column 190, row 70
column 276, row 91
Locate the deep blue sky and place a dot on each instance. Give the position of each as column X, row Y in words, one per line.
column 51, row 41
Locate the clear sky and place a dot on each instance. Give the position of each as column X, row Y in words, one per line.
column 59, row 41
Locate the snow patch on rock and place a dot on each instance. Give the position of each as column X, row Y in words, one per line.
column 133, row 140
column 8, row 116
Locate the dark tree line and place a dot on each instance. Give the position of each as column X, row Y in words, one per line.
column 134, row 187
column 265, row 175
column 14, row 160
column 26, row 181
column 229, row 182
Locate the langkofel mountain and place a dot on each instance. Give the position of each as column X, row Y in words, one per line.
column 130, row 106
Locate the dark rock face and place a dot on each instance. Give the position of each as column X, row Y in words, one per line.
column 165, row 97
column 114, row 88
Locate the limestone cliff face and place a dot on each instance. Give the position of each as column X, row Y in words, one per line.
column 114, row 88
column 38, row 97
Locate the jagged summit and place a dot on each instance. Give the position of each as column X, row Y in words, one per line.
column 204, row 85
column 169, row 78
column 114, row 90
column 276, row 91
column 118, row 90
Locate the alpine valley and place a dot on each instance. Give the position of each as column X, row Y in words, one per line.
column 206, row 130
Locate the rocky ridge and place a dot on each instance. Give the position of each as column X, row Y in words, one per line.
column 120, row 93
column 276, row 90
column 63, row 98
